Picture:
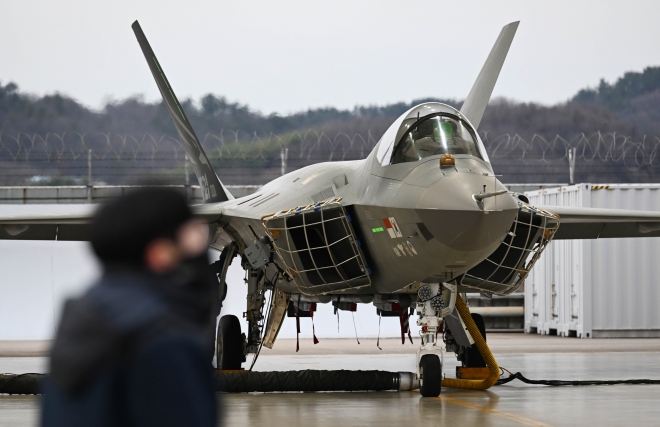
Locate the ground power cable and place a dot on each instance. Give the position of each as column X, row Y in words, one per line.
column 521, row 377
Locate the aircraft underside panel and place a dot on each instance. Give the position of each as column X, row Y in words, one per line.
column 318, row 247
column 505, row 269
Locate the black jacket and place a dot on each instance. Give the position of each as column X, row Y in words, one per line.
column 133, row 351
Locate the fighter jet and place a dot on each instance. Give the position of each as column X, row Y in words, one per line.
column 419, row 221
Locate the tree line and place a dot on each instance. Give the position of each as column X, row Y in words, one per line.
column 630, row 106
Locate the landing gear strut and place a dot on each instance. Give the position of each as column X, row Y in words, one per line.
column 255, row 306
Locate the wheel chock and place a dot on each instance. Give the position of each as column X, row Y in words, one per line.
column 464, row 373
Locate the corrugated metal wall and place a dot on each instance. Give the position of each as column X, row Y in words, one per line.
column 626, row 272
column 597, row 288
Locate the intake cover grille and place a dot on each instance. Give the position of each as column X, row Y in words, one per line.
column 318, row 247
column 506, row 269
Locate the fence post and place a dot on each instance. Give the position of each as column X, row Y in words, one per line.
column 284, row 156
column 89, row 176
column 187, row 177
column 572, row 153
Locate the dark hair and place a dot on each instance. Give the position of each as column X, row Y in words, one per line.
column 122, row 228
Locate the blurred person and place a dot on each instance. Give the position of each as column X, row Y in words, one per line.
column 135, row 350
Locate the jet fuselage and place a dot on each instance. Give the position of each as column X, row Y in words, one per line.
column 417, row 221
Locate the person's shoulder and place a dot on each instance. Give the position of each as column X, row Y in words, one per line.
column 126, row 301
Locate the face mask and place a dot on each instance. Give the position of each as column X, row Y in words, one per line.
column 193, row 272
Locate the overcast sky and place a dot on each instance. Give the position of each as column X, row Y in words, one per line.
column 286, row 56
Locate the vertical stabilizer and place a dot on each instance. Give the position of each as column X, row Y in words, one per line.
column 212, row 189
column 477, row 100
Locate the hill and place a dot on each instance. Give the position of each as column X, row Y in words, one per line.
column 629, row 106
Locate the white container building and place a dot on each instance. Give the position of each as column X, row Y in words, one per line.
column 596, row 288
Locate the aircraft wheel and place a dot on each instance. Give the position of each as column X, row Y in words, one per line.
column 430, row 370
column 229, row 343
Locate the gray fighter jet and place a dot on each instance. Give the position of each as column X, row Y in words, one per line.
column 422, row 219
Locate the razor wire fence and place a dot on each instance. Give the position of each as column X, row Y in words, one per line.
column 249, row 158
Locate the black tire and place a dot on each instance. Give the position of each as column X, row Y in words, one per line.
column 474, row 359
column 229, row 344
column 430, row 370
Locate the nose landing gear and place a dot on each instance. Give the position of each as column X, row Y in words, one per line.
column 432, row 308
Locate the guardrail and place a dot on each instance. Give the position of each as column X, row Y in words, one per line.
column 96, row 193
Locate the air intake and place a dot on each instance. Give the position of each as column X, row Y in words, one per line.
column 318, row 247
column 506, row 269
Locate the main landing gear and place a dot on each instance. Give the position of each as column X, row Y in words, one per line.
column 233, row 345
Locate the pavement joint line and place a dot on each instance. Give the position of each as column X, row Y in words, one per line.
column 508, row 415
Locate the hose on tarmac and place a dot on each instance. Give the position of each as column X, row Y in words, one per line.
column 311, row 381
column 251, row 381
column 491, row 363
column 20, row 384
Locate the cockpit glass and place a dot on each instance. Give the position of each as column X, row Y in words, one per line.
column 437, row 134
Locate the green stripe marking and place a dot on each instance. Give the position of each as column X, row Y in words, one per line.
column 176, row 101
column 377, row 229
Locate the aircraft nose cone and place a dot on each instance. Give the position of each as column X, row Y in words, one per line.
column 454, row 218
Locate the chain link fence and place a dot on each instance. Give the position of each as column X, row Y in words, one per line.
column 242, row 158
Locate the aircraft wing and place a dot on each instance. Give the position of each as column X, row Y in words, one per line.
column 64, row 222
column 45, row 222
column 598, row 223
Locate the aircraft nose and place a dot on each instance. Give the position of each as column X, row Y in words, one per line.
column 456, row 219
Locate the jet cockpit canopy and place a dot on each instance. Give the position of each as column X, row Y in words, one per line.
column 426, row 130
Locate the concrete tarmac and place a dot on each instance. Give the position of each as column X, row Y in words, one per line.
column 512, row 404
